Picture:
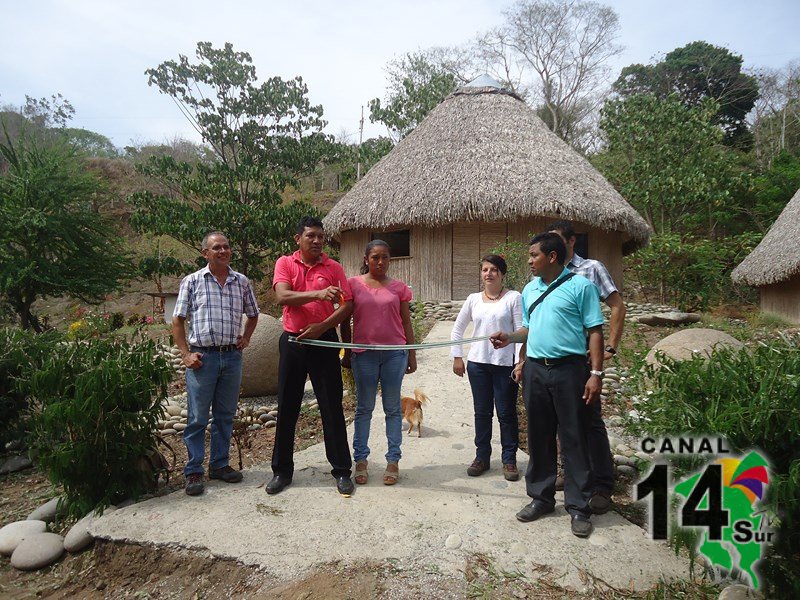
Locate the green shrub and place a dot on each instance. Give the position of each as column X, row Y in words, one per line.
column 94, row 410
column 752, row 399
column 692, row 273
column 23, row 352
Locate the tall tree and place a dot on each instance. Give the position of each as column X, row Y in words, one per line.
column 668, row 161
column 696, row 72
column 556, row 52
column 776, row 114
column 262, row 136
column 51, row 241
column 416, row 86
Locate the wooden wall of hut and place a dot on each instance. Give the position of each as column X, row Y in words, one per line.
column 444, row 261
column 782, row 299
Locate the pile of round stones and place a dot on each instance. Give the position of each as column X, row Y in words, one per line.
column 173, row 356
column 256, row 413
column 32, row 547
column 634, row 309
column 446, row 310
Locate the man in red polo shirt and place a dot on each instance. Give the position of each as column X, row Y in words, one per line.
column 308, row 284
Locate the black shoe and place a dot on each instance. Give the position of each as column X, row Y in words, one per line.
column 533, row 511
column 227, row 474
column 477, row 467
column 581, row 525
column 194, row 484
column 600, row 503
column 344, row 485
column 277, row 483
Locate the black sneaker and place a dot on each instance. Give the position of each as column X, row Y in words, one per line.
column 533, row 511
column 344, row 485
column 477, row 467
column 581, row 525
column 194, row 484
column 227, row 474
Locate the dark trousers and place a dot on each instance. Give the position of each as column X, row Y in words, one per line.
column 555, row 406
column 493, row 389
column 322, row 364
column 600, row 450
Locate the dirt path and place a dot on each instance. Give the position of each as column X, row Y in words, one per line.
column 436, row 520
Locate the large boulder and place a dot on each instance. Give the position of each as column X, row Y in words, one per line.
column 12, row 534
column 672, row 318
column 688, row 342
column 260, row 359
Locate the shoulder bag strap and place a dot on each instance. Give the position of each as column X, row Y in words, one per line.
column 549, row 289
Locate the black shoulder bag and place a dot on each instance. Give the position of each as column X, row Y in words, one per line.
column 549, row 289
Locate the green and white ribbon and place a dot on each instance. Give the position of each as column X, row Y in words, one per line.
column 327, row 344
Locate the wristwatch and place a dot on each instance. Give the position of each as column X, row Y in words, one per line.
column 611, row 350
column 600, row 374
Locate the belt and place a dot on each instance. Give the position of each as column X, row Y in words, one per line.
column 225, row 348
column 552, row 362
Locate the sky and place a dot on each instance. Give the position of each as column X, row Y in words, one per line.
column 95, row 52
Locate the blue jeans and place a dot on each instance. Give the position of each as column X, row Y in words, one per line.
column 369, row 368
column 213, row 386
column 493, row 388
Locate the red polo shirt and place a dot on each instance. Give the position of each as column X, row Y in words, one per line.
column 302, row 278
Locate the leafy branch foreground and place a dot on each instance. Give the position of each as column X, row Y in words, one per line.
column 750, row 397
column 92, row 409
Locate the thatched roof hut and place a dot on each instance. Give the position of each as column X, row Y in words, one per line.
column 774, row 265
column 481, row 167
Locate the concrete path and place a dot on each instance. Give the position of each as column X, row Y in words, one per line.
column 434, row 518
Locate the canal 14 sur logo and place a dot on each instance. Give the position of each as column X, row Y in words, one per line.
column 722, row 499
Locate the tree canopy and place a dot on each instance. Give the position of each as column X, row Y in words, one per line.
column 261, row 136
column 694, row 73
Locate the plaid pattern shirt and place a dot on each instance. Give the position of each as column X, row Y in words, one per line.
column 594, row 271
column 214, row 312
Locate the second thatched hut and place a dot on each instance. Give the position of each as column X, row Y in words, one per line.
column 774, row 265
column 481, row 167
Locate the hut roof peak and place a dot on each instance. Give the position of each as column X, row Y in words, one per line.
column 484, row 81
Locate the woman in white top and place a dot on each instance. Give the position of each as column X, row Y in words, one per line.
column 489, row 370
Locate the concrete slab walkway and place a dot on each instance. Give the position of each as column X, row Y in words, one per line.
column 434, row 518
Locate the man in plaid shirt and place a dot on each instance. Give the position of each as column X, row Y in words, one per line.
column 213, row 299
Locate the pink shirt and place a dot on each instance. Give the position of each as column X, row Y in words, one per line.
column 376, row 312
column 302, row 278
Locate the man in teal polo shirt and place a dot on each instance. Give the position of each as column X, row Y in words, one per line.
column 557, row 385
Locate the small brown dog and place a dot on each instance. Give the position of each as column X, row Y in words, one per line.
column 412, row 410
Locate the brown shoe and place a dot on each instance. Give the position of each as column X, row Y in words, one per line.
column 560, row 483
column 510, row 472
column 477, row 467
column 362, row 476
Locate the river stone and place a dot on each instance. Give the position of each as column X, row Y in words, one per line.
column 684, row 344
column 37, row 551
column 627, row 470
column 673, row 318
column 13, row 533
column 14, row 464
column 169, row 431
column 452, row 542
column 46, row 512
column 174, row 411
column 179, row 426
column 737, row 592
column 269, row 424
column 260, row 359
column 78, row 537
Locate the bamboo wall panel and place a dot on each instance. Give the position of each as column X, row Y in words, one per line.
column 606, row 246
column 432, row 250
column 352, row 250
column 491, row 235
column 403, row 268
column 466, row 252
column 782, row 299
column 523, row 229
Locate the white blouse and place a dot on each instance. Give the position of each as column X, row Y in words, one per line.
column 489, row 317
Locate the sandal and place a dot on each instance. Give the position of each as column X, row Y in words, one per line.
column 361, row 472
column 391, row 474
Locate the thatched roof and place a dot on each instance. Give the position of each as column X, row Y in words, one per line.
column 777, row 257
column 483, row 155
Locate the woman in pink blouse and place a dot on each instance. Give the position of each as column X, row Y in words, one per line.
column 381, row 315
